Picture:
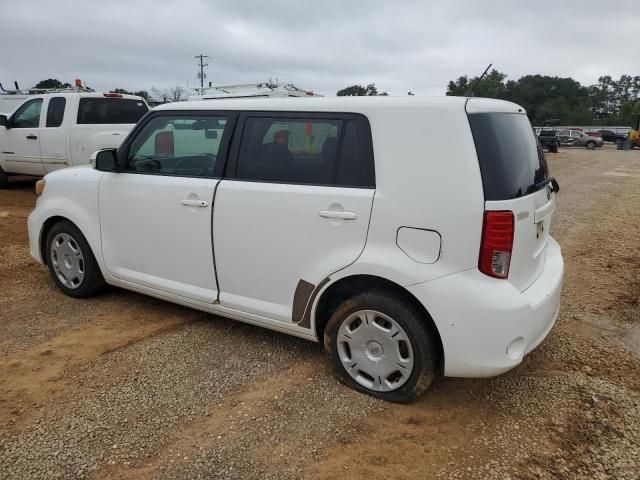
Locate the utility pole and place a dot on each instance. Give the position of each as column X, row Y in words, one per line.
column 202, row 75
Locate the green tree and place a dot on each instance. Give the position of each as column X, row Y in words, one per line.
column 50, row 83
column 546, row 97
column 360, row 91
column 491, row 86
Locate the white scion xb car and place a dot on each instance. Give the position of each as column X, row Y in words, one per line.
column 403, row 234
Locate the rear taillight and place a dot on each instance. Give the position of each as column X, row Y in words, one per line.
column 497, row 243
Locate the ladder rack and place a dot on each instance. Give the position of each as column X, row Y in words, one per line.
column 269, row 88
column 78, row 87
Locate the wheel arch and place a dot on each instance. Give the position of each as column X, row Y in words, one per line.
column 340, row 290
column 47, row 225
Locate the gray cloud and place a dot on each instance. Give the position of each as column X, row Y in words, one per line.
column 322, row 45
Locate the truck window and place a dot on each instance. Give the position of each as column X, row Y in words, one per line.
column 28, row 115
column 96, row 110
column 55, row 112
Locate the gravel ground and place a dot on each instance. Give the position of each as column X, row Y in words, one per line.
column 124, row 386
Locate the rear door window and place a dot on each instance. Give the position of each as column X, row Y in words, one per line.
column 306, row 150
column 96, row 110
column 509, row 159
column 55, row 111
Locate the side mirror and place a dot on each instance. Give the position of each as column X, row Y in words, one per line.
column 105, row 160
column 4, row 121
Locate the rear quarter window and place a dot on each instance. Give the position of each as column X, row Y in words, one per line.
column 510, row 162
column 96, row 110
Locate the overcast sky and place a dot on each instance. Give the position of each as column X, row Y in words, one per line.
column 319, row 45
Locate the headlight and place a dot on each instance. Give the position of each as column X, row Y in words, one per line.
column 40, row 186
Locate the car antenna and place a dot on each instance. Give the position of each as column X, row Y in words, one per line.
column 469, row 92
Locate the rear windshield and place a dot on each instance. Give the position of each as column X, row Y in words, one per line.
column 510, row 162
column 110, row 110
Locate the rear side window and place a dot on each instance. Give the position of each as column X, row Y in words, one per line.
column 508, row 154
column 55, row 111
column 96, row 110
column 309, row 150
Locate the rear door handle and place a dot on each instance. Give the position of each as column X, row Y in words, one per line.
column 334, row 214
column 194, row 203
column 32, row 137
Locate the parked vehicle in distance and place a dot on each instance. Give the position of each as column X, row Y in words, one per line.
column 57, row 130
column 277, row 213
column 252, row 90
column 548, row 140
column 607, row 135
column 576, row 138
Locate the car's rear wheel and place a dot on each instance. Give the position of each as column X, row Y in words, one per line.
column 381, row 346
column 71, row 262
column 591, row 145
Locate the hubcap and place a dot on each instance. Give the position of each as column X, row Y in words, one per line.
column 375, row 350
column 67, row 260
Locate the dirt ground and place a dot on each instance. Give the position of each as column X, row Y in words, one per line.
column 125, row 386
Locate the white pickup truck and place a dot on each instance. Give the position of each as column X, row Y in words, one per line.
column 57, row 130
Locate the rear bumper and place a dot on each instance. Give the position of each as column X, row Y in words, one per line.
column 486, row 324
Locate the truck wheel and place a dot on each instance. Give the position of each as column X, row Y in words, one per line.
column 71, row 262
column 554, row 149
column 4, row 179
column 381, row 346
column 591, row 145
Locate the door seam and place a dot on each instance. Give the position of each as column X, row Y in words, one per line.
column 213, row 246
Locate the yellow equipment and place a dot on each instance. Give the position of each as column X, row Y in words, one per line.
column 634, row 134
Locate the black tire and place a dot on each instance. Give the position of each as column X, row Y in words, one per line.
column 92, row 281
column 590, row 145
column 4, row 179
column 412, row 321
column 554, row 148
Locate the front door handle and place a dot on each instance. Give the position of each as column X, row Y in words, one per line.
column 188, row 202
column 334, row 214
column 32, row 137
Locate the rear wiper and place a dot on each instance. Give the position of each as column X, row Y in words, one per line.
column 555, row 186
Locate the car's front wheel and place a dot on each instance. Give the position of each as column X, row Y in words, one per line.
column 381, row 345
column 4, row 179
column 71, row 262
column 591, row 145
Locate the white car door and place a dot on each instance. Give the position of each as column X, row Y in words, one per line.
column 21, row 143
column 53, row 136
column 293, row 208
column 155, row 214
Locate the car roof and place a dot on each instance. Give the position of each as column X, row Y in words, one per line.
column 345, row 104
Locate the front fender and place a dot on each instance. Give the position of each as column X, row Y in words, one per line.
column 71, row 194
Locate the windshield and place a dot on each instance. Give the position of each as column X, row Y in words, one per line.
column 510, row 162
